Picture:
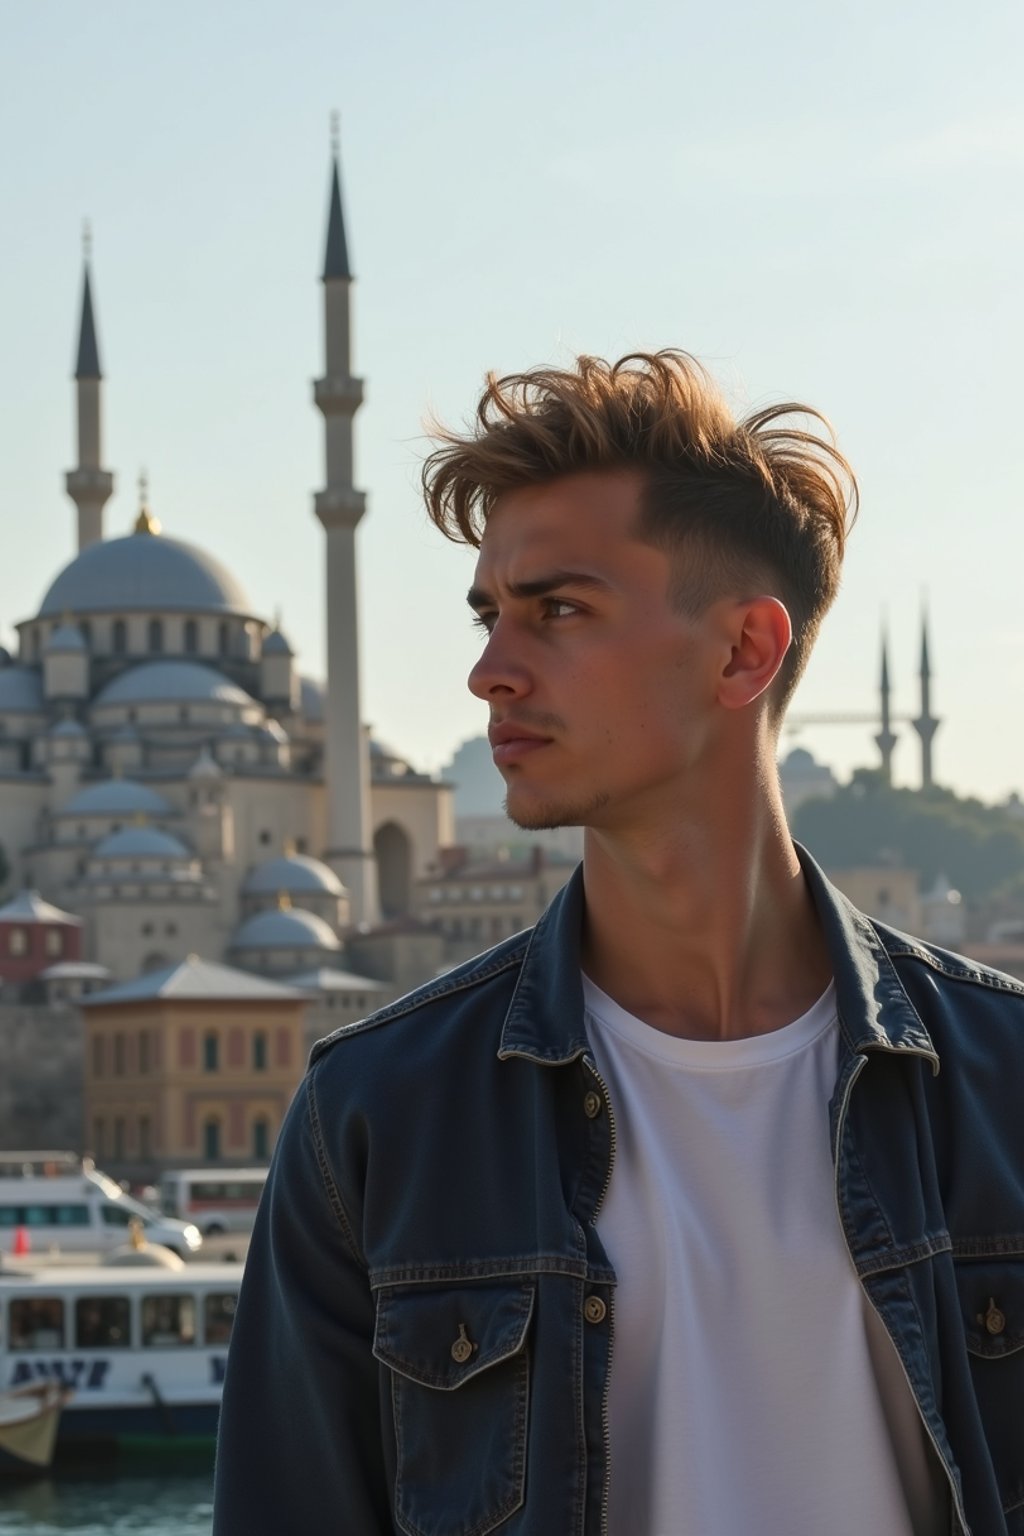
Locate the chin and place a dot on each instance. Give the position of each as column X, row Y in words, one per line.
column 546, row 815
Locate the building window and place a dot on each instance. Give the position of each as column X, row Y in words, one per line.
column 54, row 941
column 223, row 639
column 118, row 1055
column 17, row 941
column 119, row 1140
column 99, row 1140
column 191, row 636
column 143, row 1053
column 171, row 929
column 301, row 845
column 120, row 637
column 259, row 1052
column 211, row 1140
column 86, row 631
column 264, row 837
column 144, row 1137
column 156, row 635
column 211, row 1052
column 98, row 1055
column 260, row 1139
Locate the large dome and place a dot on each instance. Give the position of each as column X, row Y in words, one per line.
column 171, row 682
column 116, row 797
column 144, row 571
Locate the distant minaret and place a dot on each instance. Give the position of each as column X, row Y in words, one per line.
column 339, row 506
column 926, row 724
column 886, row 738
column 88, row 484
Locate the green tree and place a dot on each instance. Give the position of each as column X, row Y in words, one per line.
column 979, row 848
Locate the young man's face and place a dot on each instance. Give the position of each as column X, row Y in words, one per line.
column 601, row 693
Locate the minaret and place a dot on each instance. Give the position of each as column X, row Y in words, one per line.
column 339, row 506
column 89, row 485
column 886, row 738
column 926, row 724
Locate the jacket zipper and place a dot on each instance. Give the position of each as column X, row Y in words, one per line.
column 841, row 1121
column 605, row 1420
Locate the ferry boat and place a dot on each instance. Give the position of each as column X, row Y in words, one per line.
column 138, row 1349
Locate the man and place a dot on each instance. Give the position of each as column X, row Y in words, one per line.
column 696, row 1211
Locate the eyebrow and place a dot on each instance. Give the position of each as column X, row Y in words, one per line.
column 538, row 586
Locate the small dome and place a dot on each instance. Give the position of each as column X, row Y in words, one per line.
column 69, row 729
column 67, row 638
column 311, row 699
column 141, row 843
column 289, row 929
column 21, row 690
column 144, row 572
column 116, row 797
column 275, row 644
column 204, row 767
column 171, row 682
column 295, row 873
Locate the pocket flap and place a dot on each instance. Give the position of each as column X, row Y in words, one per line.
column 442, row 1338
column 992, row 1302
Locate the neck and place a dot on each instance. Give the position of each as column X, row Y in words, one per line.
column 703, row 926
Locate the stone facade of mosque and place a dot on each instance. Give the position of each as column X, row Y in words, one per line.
column 171, row 784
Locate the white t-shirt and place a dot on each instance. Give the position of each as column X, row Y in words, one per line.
column 752, row 1387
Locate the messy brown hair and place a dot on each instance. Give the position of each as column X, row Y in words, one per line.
column 755, row 506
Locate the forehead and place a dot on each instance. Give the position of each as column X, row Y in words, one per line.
column 590, row 514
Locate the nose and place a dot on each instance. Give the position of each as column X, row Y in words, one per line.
column 500, row 672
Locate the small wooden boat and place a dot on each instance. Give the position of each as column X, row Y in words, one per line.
column 29, row 1418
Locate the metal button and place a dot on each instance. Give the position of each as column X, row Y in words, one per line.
column 592, row 1105
column 463, row 1347
column 994, row 1319
column 594, row 1309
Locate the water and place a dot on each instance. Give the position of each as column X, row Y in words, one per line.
column 159, row 1503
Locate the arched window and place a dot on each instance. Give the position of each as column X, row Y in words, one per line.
column 223, row 638
column 156, row 634
column 119, row 637
column 211, row 1052
column 191, row 636
column 260, row 1139
column 394, row 868
column 259, row 1051
column 211, row 1140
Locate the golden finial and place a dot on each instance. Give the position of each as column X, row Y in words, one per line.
column 284, row 901
column 86, row 239
column 145, row 522
column 136, row 1236
column 335, row 134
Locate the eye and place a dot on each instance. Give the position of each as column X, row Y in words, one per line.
column 484, row 621
column 560, row 608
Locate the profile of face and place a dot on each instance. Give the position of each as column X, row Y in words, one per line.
column 602, row 693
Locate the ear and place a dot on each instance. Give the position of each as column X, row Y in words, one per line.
column 761, row 636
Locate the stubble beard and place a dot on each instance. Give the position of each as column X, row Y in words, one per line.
column 549, row 816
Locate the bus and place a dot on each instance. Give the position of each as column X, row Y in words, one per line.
column 216, row 1200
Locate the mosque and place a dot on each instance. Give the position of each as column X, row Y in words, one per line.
column 169, row 778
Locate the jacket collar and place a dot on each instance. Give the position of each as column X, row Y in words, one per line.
column 544, row 1021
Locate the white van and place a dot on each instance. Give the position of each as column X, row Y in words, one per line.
column 76, row 1210
column 217, row 1200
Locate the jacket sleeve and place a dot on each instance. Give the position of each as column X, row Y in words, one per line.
column 299, row 1448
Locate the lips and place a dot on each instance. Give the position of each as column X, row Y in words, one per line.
column 510, row 742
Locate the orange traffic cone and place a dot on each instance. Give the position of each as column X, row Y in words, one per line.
column 21, row 1242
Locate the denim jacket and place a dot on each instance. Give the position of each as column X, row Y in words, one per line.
column 424, row 1333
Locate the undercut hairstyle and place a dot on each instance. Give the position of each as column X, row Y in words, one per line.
column 745, row 508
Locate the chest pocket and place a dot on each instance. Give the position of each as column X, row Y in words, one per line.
column 460, row 1386
column 992, row 1304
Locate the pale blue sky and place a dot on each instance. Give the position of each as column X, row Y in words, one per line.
column 822, row 203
